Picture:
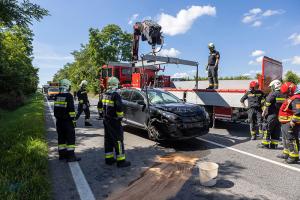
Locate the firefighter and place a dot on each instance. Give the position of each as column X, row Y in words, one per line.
column 271, row 126
column 64, row 113
column 111, row 105
column 83, row 103
column 289, row 116
column 212, row 67
column 255, row 98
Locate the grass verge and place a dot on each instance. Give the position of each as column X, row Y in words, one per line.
column 23, row 152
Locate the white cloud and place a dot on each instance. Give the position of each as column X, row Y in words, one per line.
column 269, row 13
column 184, row 19
column 259, row 59
column 133, row 18
column 256, row 15
column 257, row 24
column 295, row 38
column 169, row 52
column 296, row 60
column 257, row 53
column 180, row 75
column 255, row 11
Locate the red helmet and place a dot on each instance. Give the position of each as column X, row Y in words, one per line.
column 253, row 84
column 288, row 88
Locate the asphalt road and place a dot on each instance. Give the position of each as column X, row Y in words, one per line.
column 245, row 172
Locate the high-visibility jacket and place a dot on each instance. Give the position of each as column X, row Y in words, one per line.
column 110, row 104
column 290, row 110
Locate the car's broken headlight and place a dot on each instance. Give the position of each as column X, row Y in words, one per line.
column 169, row 116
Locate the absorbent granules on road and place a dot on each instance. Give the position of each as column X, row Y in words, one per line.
column 164, row 179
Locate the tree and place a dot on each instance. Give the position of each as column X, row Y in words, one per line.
column 292, row 77
column 22, row 14
column 18, row 77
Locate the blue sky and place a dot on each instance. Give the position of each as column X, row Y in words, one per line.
column 242, row 31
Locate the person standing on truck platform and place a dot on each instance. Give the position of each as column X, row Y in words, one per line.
column 112, row 109
column 289, row 117
column 83, row 103
column 271, row 125
column 64, row 113
column 212, row 67
column 255, row 98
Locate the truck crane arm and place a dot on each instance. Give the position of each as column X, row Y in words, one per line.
column 150, row 31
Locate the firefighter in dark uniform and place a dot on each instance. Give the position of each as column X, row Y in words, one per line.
column 255, row 98
column 212, row 67
column 83, row 103
column 271, row 125
column 289, row 116
column 64, row 113
column 111, row 107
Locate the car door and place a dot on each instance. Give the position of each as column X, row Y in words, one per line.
column 137, row 105
column 126, row 95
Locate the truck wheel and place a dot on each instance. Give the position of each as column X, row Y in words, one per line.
column 153, row 133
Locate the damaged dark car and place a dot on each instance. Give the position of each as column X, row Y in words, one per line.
column 163, row 115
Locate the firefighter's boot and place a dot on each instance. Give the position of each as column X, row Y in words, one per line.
column 71, row 157
column 123, row 163
column 62, row 154
column 110, row 161
column 87, row 123
column 291, row 160
column 283, row 156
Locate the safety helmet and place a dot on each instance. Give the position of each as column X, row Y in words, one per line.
column 288, row 88
column 64, row 85
column 211, row 46
column 253, row 84
column 297, row 91
column 113, row 83
column 275, row 85
column 83, row 83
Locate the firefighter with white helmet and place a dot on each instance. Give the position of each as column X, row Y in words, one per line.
column 83, row 103
column 111, row 106
column 272, row 126
column 212, row 67
column 64, row 113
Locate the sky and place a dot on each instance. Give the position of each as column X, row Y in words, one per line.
column 242, row 31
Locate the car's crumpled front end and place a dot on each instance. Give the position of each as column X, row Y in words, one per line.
column 181, row 121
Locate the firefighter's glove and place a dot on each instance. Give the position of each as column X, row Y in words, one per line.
column 206, row 68
column 74, row 123
column 292, row 124
column 119, row 118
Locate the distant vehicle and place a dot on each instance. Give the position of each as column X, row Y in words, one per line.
column 52, row 91
column 165, row 116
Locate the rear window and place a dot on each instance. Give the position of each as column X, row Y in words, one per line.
column 125, row 94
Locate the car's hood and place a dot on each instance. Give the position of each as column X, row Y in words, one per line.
column 183, row 109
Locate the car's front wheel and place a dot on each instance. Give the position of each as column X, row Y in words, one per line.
column 153, row 133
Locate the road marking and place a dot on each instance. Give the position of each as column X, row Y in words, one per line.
column 82, row 185
column 252, row 155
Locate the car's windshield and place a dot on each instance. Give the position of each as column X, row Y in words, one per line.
column 160, row 97
column 53, row 90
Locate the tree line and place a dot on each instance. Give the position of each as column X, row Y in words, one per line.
column 18, row 77
column 110, row 43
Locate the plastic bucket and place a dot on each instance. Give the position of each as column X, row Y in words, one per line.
column 208, row 172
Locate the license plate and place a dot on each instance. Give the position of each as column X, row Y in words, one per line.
column 194, row 125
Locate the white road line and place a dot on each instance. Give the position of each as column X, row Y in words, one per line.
column 82, row 185
column 252, row 155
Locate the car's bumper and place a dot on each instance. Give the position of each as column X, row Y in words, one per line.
column 179, row 131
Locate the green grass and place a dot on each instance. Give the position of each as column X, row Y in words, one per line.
column 24, row 152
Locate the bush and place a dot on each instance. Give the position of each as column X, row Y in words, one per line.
column 12, row 100
column 292, row 77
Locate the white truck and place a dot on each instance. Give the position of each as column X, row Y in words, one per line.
column 224, row 103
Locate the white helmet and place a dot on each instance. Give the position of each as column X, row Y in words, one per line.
column 275, row 85
column 211, row 45
column 83, row 83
